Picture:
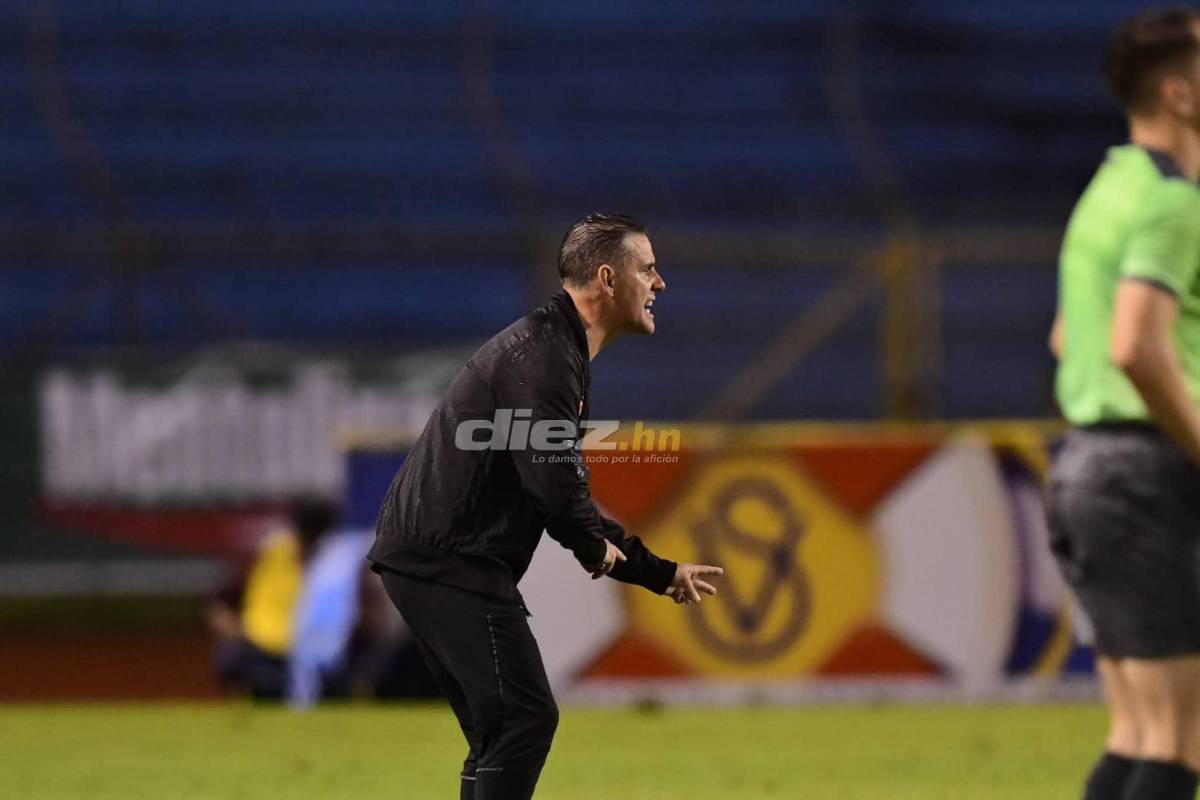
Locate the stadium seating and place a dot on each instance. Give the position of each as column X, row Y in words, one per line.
column 708, row 114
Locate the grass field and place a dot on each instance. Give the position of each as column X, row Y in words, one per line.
column 237, row 751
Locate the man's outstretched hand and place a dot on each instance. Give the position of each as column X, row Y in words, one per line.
column 688, row 583
column 611, row 556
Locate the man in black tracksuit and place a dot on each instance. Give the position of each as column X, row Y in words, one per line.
column 499, row 462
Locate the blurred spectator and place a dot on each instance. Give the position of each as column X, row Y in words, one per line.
column 253, row 619
column 332, row 623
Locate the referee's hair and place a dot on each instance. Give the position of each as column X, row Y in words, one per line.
column 1143, row 48
column 594, row 240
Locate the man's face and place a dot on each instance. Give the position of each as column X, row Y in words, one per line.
column 637, row 285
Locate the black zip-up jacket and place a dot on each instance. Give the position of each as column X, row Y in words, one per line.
column 471, row 517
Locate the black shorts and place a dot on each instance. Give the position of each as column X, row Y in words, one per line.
column 1124, row 517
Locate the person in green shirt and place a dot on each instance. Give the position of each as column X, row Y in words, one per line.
column 1124, row 499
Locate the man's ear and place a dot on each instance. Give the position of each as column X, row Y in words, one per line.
column 608, row 279
column 1177, row 93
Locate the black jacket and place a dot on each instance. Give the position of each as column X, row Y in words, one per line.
column 473, row 517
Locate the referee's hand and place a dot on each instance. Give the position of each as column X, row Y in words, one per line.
column 687, row 584
column 611, row 556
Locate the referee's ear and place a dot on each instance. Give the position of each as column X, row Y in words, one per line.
column 1177, row 94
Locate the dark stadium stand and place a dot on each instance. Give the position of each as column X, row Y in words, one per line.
column 519, row 117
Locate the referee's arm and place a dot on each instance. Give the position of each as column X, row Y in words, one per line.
column 1143, row 347
column 1161, row 264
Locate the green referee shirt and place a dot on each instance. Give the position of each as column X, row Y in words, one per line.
column 1138, row 219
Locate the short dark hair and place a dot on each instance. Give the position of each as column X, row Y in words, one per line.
column 594, row 240
column 1142, row 47
column 312, row 518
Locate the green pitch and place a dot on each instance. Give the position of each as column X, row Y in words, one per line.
column 241, row 752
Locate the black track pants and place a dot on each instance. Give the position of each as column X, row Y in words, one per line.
column 484, row 657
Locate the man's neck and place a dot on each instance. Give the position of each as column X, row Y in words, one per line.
column 1169, row 136
column 595, row 325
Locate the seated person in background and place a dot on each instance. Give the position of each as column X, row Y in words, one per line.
column 253, row 619
column 335, row 624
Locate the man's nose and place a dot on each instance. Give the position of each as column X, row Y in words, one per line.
column 659, row 283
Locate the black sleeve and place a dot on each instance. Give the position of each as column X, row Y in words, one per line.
column 550, row 386
column 552, row 389
column 640, row 567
